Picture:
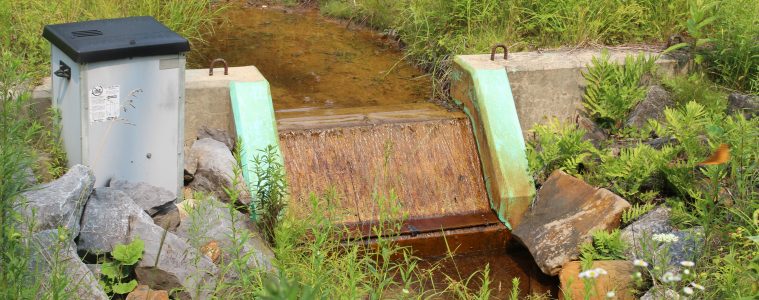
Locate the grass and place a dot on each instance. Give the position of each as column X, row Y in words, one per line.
column 432, row 31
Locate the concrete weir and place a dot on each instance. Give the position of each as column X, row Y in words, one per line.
column 461, row 178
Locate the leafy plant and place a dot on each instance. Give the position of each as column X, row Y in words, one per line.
column 560, row 146
column 632, row 169
column 636, row 211
column 119, row 268
column 269, row 191
column 604, row 246
column 614, row 89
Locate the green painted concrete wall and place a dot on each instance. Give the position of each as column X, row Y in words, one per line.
column 256, row 127
column 510, row 186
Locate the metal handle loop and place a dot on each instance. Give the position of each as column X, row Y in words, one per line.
column 495, row 48
column 221, row 60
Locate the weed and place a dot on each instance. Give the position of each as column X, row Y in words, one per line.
column 614, row 89
column 634, row 168
column 560, row 146
column 116, row 270
column 604, row 246
column 636, row 211
column 269, row 191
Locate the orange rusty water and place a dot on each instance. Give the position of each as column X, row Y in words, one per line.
column 314, row 63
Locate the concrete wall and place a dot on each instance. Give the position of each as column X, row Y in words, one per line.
column 550, row 84
column 544, row 85
column 207, row 98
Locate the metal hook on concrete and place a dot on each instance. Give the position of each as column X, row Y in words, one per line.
column 221, row 60
column 671, row 40
column 495, row 48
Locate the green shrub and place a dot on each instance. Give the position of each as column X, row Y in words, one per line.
column 559, row 146
column 614, row 89
column 605, row 246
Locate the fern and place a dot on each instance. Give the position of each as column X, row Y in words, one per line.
column 604, row 246
column 632, row 169
column 559, row 146
column 613, row 90
column 636, row 211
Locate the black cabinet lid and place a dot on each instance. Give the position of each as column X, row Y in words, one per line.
column 101, row 40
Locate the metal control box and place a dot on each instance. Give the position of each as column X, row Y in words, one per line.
column 119, row 86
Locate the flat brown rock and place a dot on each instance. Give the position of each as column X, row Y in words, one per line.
column 143, row 292
column 618, row 280
column 563, row 216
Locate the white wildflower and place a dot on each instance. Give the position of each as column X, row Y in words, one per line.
column 688, row 290
column 640, row 263
column 665, row 238
column 670, row 277
column 610, row 294
column 592, row 273
column 686, row 272
column 687, row 264
column 696, row 285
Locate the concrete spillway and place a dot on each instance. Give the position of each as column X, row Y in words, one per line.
column 429, row 162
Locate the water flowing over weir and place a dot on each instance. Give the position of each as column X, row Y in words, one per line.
column 359, row 124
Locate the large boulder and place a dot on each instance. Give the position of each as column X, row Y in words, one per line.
column 50, row 254
column 212, row 165
column 60, row 202
column 618, row 278
column 112, row 218
column 217, row 134
column 155, row 201
column 208, row 220
column 653, row 222
column 148, row 197
column 565, row 213
column 652, row 107
column 748, row 105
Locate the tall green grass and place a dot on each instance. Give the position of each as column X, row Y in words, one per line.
column 22, row 21
column 432, row 31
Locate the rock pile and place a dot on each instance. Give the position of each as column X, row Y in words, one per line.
column 94, row 221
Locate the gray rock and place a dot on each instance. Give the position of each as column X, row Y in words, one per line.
column 593, row 133
column 112, row 218
column 47, row 248
column 217, row 134
column 210, row 220
column 565, row 213
column 60, row 202
column 106, row 220
column 688, row 246
column 746, row 104
column 214, row 170
column 148, row 197
column 653, row 222
column 167, row 217
column 652, row 107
